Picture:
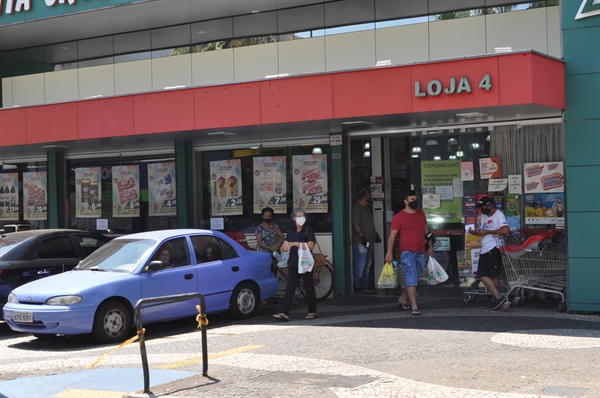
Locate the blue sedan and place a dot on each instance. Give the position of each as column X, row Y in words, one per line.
column 99, row 295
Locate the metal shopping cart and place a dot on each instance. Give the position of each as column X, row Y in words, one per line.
column 536, row 264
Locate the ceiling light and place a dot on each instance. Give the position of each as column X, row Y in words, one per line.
column 437, row 158
column 317, row 150
column 475, row 145
column 416, row 149
column 500, row 50
column 452, row 141
column 367, row 154
column 471, row 114
column 459, row 152
column 414, row 155
column 357, row 122
column 254, row 147
column 254, row 12
column 201, row 32
column 452, row 157
column 367, row 145
column 487, row 138
column 431, row 142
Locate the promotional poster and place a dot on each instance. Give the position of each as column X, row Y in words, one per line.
column 226, row 187
column 162, row 195
column 126, row 191
column 437, row 177
column 9, row 196
column 270, row 184
column 310, row 183
column 545, row 208
column 544, row 177
column 35, row 196
column 88, row 195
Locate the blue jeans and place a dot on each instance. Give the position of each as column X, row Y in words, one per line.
column 413, row 264
column 363, row 257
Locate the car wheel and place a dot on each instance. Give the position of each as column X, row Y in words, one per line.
column 112, row 322
column 244, row 301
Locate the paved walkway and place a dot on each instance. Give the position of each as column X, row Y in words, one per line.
column 358, row 347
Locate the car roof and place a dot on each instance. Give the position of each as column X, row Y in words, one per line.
column 39, row 232
column 165, row 233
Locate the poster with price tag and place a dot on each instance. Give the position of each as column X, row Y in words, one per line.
column 35, row 198
column 126, row 191
column 270, row 184
column 88, row 195
column 9, row 196
column 162, row 198
column 310, row 183
column 226, row 187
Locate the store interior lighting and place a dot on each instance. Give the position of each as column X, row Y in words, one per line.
column 431, row 142
column 317, row 150
column 488, row 138
column 414, row 155
column 367, row 145
column 416, row 149
column 437, row 158
column 475, row 145
column 452, row 141
column 367, row 154
column 452, row 157
column 459, row 152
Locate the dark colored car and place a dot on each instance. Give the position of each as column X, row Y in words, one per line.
column 29, row 255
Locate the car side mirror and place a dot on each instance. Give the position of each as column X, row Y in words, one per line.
column 155, row 265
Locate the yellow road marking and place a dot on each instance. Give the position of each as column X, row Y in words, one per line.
column 78, row 393
column 210, row 356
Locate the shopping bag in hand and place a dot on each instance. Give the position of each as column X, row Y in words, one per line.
column 305, row 259
column 435, row 272
column 387, row 278
column 282, row 259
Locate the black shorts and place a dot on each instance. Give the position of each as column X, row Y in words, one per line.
column 490, row 264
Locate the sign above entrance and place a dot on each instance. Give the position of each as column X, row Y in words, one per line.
column 588, row 8
column 435, row 87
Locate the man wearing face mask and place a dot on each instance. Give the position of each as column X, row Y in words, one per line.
column 493, row 226
column 363, row 239
column 411, row 224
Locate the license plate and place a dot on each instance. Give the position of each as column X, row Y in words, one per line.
column 23, row 317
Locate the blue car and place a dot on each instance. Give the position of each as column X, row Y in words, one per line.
column 98, row 296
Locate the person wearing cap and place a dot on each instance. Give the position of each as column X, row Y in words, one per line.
column 493, row 226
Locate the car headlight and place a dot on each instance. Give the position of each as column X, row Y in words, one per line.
column 12, row 299
column 63, row 300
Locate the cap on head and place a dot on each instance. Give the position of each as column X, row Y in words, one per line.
column 484, row 201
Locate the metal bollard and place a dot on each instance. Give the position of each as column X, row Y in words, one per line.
column 140, row 327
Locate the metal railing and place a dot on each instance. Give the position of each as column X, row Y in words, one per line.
column 139, row 325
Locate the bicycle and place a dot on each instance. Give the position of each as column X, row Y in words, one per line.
column 322, row 279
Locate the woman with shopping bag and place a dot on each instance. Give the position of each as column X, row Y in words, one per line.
column 299, row 241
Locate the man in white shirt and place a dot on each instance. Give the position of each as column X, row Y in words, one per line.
column 493, row 227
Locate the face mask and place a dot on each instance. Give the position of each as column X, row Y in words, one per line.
column 413, row 205
column 300, row 220
column 267, row 220
column 486, row 211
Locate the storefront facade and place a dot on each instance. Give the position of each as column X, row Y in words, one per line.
column 151, row 129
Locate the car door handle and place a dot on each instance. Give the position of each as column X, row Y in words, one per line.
column 188, row 276
column 235, row 269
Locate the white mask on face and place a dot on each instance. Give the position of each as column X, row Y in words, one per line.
column 300, row 220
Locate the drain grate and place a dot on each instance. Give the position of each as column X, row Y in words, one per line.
column 315, row 379
column 564, row 391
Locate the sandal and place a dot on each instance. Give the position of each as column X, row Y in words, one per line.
column 282, row 317
column 415, row 311
column 311, row 315
column 402, row 305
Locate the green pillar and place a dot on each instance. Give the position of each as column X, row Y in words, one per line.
column 57, row 197
column 342, row 256
column 184, row 170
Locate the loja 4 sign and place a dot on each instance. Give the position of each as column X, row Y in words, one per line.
column 435, row 87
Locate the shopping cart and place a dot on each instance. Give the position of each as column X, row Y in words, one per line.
column 536, row 264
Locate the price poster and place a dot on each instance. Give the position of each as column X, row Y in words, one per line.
column 162, row 198
column 88, row 195
column 226, row 187
column 126, row 191
column 270, row 184
column 9, row 196
column 35, row 196
column 309, row 176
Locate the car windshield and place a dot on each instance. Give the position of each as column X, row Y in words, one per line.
column 120, row 255
column 12, row 249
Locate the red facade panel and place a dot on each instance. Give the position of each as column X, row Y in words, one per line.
column 13, row 127
column 296, row 99
column 50, row 123
column 231, row 105
column 515, row 75
column 106, row 117
column 455, row 85
column 547, row 89
column 373, row 92
column 163, row 112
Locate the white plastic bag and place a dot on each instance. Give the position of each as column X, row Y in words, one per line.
column 435, row 272
column 282, row 259
column 305, row 259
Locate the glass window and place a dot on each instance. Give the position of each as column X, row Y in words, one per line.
column 62, row 53
column 255, row 25
column 173, row 253
column 212, row 31
column 226, row 249
column 175, row 36
column 136, row 42
column 301, row 19
column 89, row 244
column 57, row 247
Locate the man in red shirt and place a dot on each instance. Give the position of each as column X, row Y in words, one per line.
column 411, row 223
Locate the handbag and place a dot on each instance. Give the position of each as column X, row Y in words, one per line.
column 387, row 278
column 320, row 258
column 305, row 259
column 435, row 272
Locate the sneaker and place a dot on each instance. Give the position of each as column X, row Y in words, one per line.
column 499, row 303
column 490, row 305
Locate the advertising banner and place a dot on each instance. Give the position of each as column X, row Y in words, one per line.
column 489, row 168
column 437, row 177
column 88, row 195
column 9, row 196
column 545, row 208
column 126, row 191
column 270, row 188
column 543, row 177
column 470, row 209
column 35, row 196
column 310, row 183
column 466, row 171
column 162, row 194
column 226, row 187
